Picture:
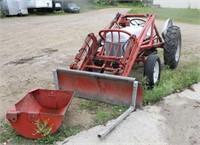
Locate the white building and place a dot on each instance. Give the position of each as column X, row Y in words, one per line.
column 193, row 4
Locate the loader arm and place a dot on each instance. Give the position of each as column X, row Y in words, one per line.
column 102, row 65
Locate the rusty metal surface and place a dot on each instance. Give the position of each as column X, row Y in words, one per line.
column 95, row 86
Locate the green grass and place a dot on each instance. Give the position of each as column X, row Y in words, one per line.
column 62, row 133
column 6, row 132
column 9, row 135
column 172, row 81
column 104, row 115
column 181, row 15
column 90, row 105
column 104, row 111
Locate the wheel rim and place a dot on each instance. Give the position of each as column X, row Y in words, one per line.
column 156, row 72
column 178, row 50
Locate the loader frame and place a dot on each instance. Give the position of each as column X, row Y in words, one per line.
column 93, row 55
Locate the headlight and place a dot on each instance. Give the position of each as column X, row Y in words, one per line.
column 102, row 43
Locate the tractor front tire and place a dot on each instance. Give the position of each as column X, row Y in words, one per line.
column 172, row 47
column 152, row 70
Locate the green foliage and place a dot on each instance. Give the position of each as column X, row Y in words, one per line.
column 1, row 11
column 2, row 15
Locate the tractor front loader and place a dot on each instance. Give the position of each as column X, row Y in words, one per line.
column 101, row 67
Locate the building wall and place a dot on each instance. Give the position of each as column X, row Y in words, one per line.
column 193, row 4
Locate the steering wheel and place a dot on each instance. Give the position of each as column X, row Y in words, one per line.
column 137, row 22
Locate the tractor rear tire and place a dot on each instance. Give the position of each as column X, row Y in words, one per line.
column 152, row 70
column 172, row 47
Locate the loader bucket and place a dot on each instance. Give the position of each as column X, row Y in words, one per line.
column 101, row 87
column 40, row 112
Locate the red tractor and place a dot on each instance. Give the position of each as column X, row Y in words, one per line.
column 127, row 40
column 130, row 39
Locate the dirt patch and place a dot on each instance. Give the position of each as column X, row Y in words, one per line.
column 22, row 61
column 47, row 51
column 32, row 47
column 181, row 120
column 74, row 113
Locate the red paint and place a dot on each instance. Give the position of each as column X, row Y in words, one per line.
column 39, row 104
column 137, row 49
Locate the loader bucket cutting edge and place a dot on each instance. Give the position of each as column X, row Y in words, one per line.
column 107, row 88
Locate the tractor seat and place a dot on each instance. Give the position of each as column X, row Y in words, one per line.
column 113, row 39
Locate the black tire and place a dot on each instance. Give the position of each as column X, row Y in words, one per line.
column 172, row 47
column 152, row 70
column 31, row 11
column 54, row 5
column 94, row 70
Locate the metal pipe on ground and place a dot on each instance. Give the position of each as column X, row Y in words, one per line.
column 117, row 90
column 132, row 107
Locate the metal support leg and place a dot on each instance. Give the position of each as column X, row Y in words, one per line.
column 124, row 115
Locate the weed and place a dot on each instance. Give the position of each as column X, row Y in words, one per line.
column 8, row 134
column 43, row 127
